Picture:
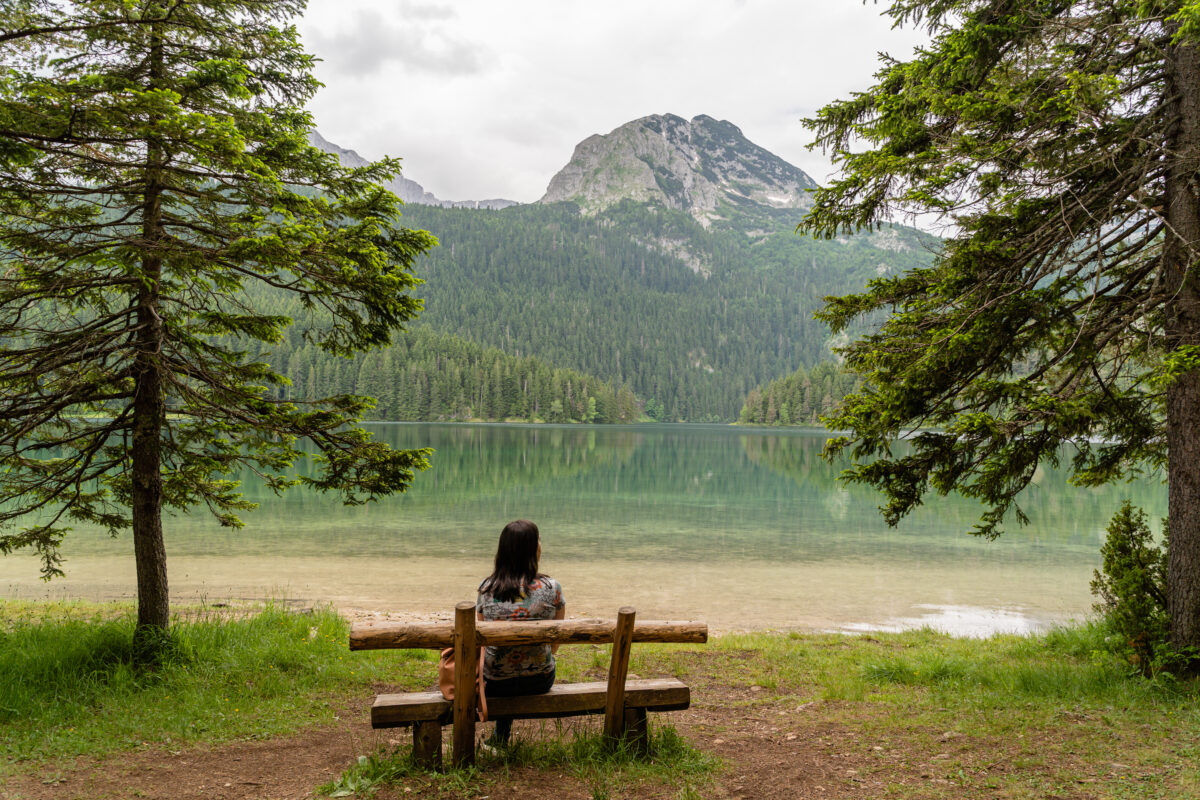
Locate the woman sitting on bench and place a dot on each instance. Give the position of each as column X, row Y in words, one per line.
column 515, row 591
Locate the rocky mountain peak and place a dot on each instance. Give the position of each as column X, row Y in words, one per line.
column 407, row 190
column 704, row 166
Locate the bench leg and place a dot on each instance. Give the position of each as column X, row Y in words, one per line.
column 427, row 744
column 636, row 731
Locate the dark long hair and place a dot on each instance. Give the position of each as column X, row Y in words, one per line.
column 516, row 561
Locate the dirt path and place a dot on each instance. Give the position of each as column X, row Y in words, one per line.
column 771, row 745
column 766, row 755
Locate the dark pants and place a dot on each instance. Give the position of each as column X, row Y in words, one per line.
column 512, row 687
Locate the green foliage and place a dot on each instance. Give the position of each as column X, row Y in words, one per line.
column 369, row 773
column 429, row 376
column 1131, row 584
column 155, row 177
column 1028, row 127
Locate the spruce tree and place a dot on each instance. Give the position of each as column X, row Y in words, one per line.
column 1061, row 141
column 154, row 172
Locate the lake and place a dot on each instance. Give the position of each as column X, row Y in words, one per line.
column 743, row 528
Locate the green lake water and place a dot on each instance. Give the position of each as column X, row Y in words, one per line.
column 742, row 528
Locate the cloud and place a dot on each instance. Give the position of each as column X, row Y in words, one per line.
column 411, row 10
column 418, row 42
column 487, row 99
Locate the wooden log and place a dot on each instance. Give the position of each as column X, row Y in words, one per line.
column 436, row 635
column 466, row 655
column 564, row 700
column 618, row 669
column 397, row 710
column 637, row 732
column 427, row 744
column 401, row 635
column 577, row 699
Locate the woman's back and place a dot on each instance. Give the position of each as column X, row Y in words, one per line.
column 517, row 591
column 541, row 599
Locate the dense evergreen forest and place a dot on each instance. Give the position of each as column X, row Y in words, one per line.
column 540, row 313
column 800, row 398
column 437, row 377
column 690, row 318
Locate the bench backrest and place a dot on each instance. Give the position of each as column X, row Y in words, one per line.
column 467, row 635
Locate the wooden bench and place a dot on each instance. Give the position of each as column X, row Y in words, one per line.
column 623, row 703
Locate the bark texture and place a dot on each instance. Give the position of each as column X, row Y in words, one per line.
column 1183, row 329
column 149, row 408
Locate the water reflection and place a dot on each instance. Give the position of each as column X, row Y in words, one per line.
column 955, row 620
column 744, row 528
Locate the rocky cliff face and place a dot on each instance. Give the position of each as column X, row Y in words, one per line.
column 407, row 190
column 703, row 166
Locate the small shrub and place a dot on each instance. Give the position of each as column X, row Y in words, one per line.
column 1132, row 587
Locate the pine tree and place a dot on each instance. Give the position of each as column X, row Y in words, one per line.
column 154, row 171
column 1062, row 140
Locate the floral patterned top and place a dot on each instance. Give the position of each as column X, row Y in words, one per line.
column 542, row 599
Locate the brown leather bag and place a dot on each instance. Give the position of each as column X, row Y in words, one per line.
column 446, row 681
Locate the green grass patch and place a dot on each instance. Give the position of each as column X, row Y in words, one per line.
column 603, row 768
column 69, row 685
column 922, row 713
column 1012, row 716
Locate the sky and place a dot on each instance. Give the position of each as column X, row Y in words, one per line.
column 488, row 98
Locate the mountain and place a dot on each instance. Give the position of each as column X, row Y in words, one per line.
column 663, row 257
column 407, row 190
column 704, row 166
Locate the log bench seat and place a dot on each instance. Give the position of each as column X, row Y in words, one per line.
column 624, row 703
column 563, row 700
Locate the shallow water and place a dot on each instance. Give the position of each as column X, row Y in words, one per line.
column 742, row 528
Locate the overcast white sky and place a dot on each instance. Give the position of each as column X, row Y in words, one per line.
column 488, row 98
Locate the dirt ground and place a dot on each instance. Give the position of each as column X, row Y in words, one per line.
column 770, row 747
column 765, row 756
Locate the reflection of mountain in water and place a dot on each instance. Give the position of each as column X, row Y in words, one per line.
column 668, row 494
column 472, row 467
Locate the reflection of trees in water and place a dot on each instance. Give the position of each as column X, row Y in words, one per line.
column 1058, row 510
column 481, row 461
column 674, row 493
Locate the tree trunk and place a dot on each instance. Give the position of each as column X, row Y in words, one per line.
column 1183, row 330
column 149, row 409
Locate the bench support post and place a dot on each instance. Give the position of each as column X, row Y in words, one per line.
column 614, row 708
column 466, row 654
column 427, row 744
column 637, row 732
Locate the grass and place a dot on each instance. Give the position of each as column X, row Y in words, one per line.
column 69, row 686
column 921, row 714
column 912, row 715
column 585, row 755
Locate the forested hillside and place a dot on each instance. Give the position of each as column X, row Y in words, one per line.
column 430, row 376
column 663, row 259
column 800, row 398
column 691, row 318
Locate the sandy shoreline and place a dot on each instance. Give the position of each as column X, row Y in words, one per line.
column 760, row 595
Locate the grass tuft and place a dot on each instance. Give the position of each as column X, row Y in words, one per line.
column 370, row 773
